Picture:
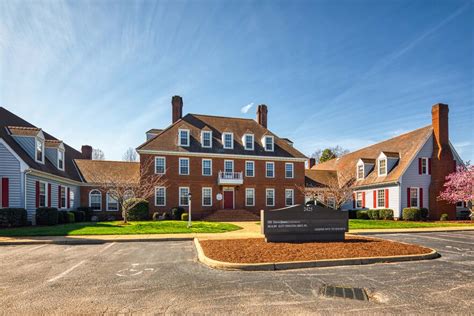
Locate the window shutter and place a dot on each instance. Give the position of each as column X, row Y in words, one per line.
column 421, row 197
column 49, row 194
column 386, row 198
column 408, row 198
column 59, row 196
column 5, row 192
column 375, row 198
column 68, row 197
column 353, row 200
column 419, row 165
column 363, row 199
column 455, row 165
column 37, row 194
column 429, row 165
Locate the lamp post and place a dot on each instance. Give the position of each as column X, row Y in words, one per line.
column 189, row 210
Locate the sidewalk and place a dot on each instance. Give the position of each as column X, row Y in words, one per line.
column 249, row 230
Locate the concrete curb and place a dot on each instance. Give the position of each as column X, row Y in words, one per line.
column 272, row 266
column 89, row 241
column 382, row 232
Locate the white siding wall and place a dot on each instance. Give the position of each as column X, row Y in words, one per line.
column 10, row 168
column 393, row 199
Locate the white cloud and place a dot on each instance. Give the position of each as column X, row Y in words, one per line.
column 246, row 108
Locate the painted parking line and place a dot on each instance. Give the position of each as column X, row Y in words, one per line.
column 37, row 247
column 443, row 239
column 66, row 272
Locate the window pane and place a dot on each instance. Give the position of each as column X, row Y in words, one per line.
column 381, row 198
column 184, row 138
column 248, row 141
column 268, row 143
column 289, row 170
column 160, row 165
column 206, row 167
column 249, row 169
column 270, row 169
column 184, row 166
column 206, row 139
column 414, row 197
column 228, row 140
column 207, row 196
column 183, row 196
column 249, row 197
column 160, row 196
column 228, row 166
column 289, row 197
column 270, row 197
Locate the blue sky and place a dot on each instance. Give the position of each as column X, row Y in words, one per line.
column 346, row 73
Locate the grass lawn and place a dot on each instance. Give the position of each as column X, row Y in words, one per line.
column 118, row 228
column 376, row 224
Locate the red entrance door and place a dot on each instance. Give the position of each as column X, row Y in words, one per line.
column 228, row 199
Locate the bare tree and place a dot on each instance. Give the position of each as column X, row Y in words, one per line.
column 130, row 155
column 322, row 155
column 98, row 154
column 129, row 189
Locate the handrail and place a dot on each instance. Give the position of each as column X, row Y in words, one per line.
column 230, row 175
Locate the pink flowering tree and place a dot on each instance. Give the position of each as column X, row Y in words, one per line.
column 459, row 186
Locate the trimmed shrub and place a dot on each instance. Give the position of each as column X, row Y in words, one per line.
column 185, row 217
column 444, row 217
column 176, row 213
column 385, row 213
column 47, row 216
column 156, row 216
column 373, row 214
column 71, row 218
column 62, row 217
column 79, row 216
column 88, row 213
column 362, row 215
column 352, row 214
column 411, row 214
column 139, row 212
column 13, row 217
column 424, row 213
column 166, row 216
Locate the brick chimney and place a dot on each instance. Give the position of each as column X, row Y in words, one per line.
column 442, row 162
column 177, row 107
column 86, row 152
column 262, row 113
column 311, row 163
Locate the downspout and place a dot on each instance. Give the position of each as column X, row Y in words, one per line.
column 26, row 172
column 400, row 209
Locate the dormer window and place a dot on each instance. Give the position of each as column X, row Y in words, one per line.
column 61, row 159
column 382, row 167
column 360, row 172
column 39, row 155
column 183, row 137
column 228, row 140
column 268, row 143
column 248, row 141
column 206, row 139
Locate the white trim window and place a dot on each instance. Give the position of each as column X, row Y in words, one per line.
column 268, row 143
column 184, row 166
column 43, row 194
column 414, row 197
column 95, row 200
column 183, row 137
column 250, row 168
column 206, row 139
column 61, row 159
column 289, row 197
column 62, row 200
column 380, row 198
column 72, row 198
column 160, row 165
column 270, row 197
column 269, row 169
column 383, row 167
column 160, row 196
column 112, row 203
column 39, row 150
column 206, row 196
column 360, row 171
column 228, row 166
column 183, row 196
column 248, row 141
column 228, row 140
column 289, row 170
column 358, row 203
column 207, row 167
column 249, row 197
column 424, row 165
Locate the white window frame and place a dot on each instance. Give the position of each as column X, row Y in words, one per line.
column 179, row 166
column 156, row 196
column 272, row 143
column 188, row 138
column 41, row 142
column 292, row 170
column 244, row 141
column 202, row 167
column 232, row 140
column 253, row 168
column 379, row 166
column 228, row 160
column 210, row 139
column 180, row 196
column 107, row 202
column 164, row 164
column 381, row 197
column 363, row 171
column 292, row 197
column 72, row 197
column 358, row 201
column 268, row 163
column 425, row 161
column 266, row 197
column 60, row 202
column 63, row 152
column 90, row 201
column 417, row 190
column 253, row 196
column 202, row 196
column 46, row 194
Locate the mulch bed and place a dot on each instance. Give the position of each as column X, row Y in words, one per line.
column 256, row 250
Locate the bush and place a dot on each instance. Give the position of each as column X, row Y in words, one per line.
column 13, row 217
column 385, row 213
column 176, row 213
column 71, row 218
column 411, row 214
column 444, row 217
column 79, row 216
column 166, row 216
column 362, row 215
column 156, row 216
column 139, row 212
column 47, row 216
column 424, row 213
column 88, row 213
column 62, row 217
column 352, row 214
column 373, row 214
column 185, row 217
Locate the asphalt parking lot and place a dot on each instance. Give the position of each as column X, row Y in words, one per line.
column 164, row 277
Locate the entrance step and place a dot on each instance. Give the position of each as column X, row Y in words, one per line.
column 232, row 216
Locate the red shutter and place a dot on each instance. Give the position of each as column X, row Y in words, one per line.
column 363, row 199
column 59, row 196
column 49, row 195
column 386, row 198
column 429, row 165
column 419, row 165
column 353, row 200
column 37, row 194
column 421, row 197
column 68, row 197
column 375, row 198
column 408, row 197
column 5, row 192
column 455, row 165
